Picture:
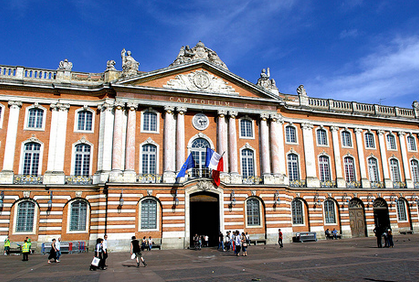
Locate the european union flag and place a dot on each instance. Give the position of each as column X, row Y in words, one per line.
column 190, row 163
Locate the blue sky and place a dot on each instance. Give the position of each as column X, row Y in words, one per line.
column 365, row 51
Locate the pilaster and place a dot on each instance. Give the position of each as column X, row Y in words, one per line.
column 235, row 177
column 361, row 157
column 340, row 181
column 387, row 181
column 117, row 167
column 310, row 158
column 406, row 168
column 277, row 150
column 169, row 145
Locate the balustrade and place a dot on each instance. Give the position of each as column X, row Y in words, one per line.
column 149, row 178
column 27, row 179
column 78, row 180
column 399, row 184
column 298, row 183
column 377, row 184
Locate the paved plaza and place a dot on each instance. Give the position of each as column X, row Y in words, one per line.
column 331, row 260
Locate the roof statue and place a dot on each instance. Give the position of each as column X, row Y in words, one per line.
column 129, row 64
column 110, row 65
column 65, row 65
column 301, row 91
column 199, row 52
column 267, row 82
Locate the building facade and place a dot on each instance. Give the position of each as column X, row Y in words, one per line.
column 88, row 154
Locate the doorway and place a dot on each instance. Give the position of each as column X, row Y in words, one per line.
column 381, row 216
column 204, row 216
column 357, row 218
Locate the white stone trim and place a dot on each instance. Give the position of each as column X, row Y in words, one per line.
column 246, row 117
column 248, row 146
column 151, row 110
column 76, row 119
column 299, row 162
column 335, row 211
column 327, row 136
column 199, row 135
column 407, row 142
column 393, row 157
column 35, row 217
column 261, row 219
column 350, row 134
column 296, row 133
column 73, row 155
column 354, row 162
column 374, row 139
column 149, row 141
column 388, row 144
column 44, row 116
column 158, row 214
column 378, row 167
column 68, row 207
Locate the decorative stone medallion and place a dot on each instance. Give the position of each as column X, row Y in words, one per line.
column 201, row 80
column 200, row 121
column 205, row 185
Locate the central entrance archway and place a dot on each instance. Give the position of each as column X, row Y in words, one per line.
column 381, row 216
column 204, row 216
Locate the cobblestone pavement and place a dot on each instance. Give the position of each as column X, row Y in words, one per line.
column 332, row 260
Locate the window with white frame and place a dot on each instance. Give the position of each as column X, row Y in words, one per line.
column 149, row 159
column 149, row 214
column 84, row 120
column 25, row 216
column 293, row 167
column 253, row 212
column 401, row 210
column 395, row 170
column 248, row 163
column 411, row 143
column 329, row 212
column 297, row 212
column 35, row 118
column 149, row 121
column 369, row 140
column 349, row 165
column 373, row 170
column 415, row 170
column 246, row 128
column 31, row 154
column 82, row 160
column 290, row 134
column 78, row 215
column 391, row 142
column 321, row 137
column 346, row 139
column 324, row 168
column 199, row 150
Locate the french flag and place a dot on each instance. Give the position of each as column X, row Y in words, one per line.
column 215, row 162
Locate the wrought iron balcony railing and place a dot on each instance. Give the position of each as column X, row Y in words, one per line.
column 78, row 180
column 328, row 184
column 149, row 178
column 252, row 180
column 27, row 179
column 377, row 184
column 298, row 183
column 399, row 184
column 353, row 184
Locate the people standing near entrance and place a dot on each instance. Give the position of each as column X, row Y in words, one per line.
column 244, row 244
column 378, row 234
column 58, row 247
column 227, row 241
column 52, row 252
column 280, row 238
column 25, row 251
column 221, row 241
column 206, row 238
column 135, row 249
column 390, row 238
column 105, row 249
column 237, row 243
column 7, row 246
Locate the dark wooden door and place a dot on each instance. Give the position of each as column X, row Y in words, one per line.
column 357, row 221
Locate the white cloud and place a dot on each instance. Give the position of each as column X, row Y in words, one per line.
column 348, row 33
column 391, row 73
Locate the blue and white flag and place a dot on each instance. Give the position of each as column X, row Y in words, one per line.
column 190, row 163
column 212, row 159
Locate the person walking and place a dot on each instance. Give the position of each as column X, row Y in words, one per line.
column 378, row 234
column 221, row 241
column 52, row 252
column 228, row 241
column 105, row 249
column 237, row 243
column 7, row 246
column 280, row 238
column 135, row 249
column 25, row 251
column 58, row 247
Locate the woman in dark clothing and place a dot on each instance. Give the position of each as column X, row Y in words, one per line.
column 52, row 252
column 135, row 249
column 99, row 255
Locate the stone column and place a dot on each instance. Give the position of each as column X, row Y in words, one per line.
column 104, row 162
column 277, row 150
column 6, row 175
column 222, row 144
column 340, row 181
column 117, row 150
column 361, row 157
column 265, row 154
column 180, row 138
column 406, row 168
column 52, row 139
column 129, row 173
column 235, row 177
column 387, row 180
column 310, row 158
column 169, row 145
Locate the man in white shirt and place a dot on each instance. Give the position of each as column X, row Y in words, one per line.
column 58, row 247
column 105, row 249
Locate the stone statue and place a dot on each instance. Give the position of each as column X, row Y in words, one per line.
column 65, row 65
column 110, row 65
column 199, row 52
column 415, row 105
column 129, row 64
column 266, row 82
column 301, row 91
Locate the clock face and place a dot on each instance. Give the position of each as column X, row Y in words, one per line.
column 200, row 121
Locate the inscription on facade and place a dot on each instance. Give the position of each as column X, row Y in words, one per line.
column 199, row 101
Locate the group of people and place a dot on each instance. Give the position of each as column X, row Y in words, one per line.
column 55, row 252
column 101, row 253
column 200, row 241
column 331, row 235
column 25, row 248
column 146, row 244
column 235, row 241
column 386, row 234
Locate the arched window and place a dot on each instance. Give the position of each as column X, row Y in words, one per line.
column 346, row 139
column 415, row 171
column 391, row 142
column 35, row 118
column 199, row 149
column 373, row 170
column 395, row 171
column 25, row 216
column 321, row 137
column 31, row 154
column 148, row 214
column 293, row 167
column 369, row 140
column 297, row 212
column 149, row 121
column 329, row 211
column 411, row 143
column 253, row 212
column 149, row 159
column 82, row 160
column 290, row 134
column 349, row 169
column 324, row 168
column 84, row 121
column 401, row 210
column 78, row 215
column 246, row 128
column 248, row 163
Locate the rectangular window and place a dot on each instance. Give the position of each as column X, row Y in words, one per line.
column 253, row 214
column 85, row 121
column 329, row 212
column 148, row 214
column 25, row 217
column 401, row 211
column 369, row 140
column 35, row 118
column 78, row 216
